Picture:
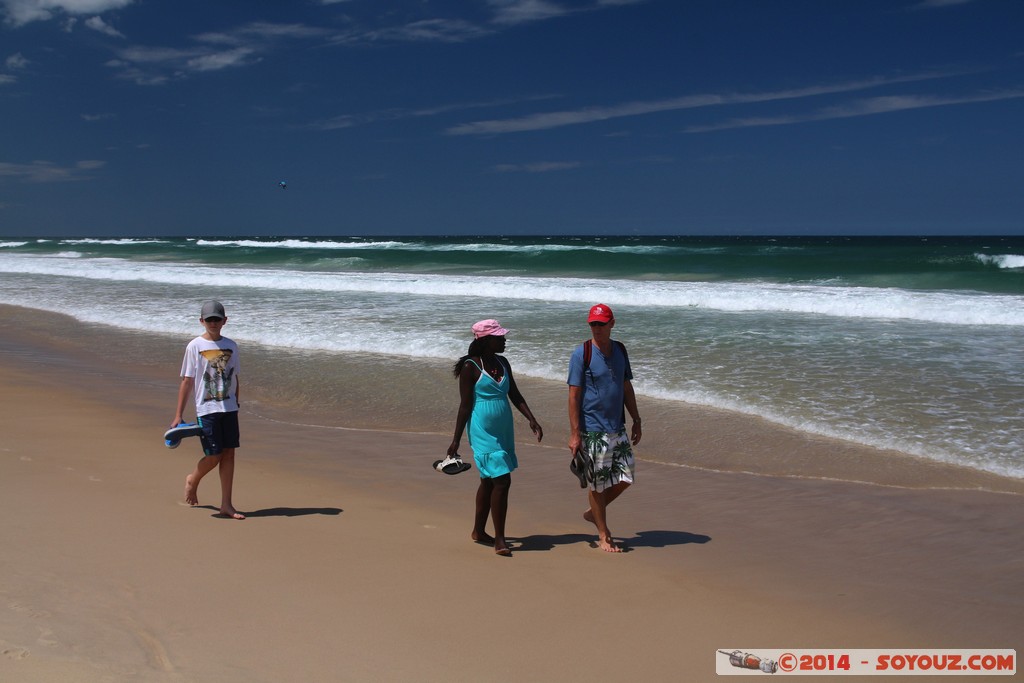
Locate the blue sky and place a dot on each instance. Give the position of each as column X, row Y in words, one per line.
column 404, row 117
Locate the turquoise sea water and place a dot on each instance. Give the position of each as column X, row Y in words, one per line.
column 904, row 343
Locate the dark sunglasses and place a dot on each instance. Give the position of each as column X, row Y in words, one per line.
column 213, row 319
column 597, row 324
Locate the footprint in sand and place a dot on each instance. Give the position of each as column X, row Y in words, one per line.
column 15, row 652
column 45, row 639
column 32, row 611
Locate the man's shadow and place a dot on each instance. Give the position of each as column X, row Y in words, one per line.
column 648, row 539
column 280, row 512
column 659, row 538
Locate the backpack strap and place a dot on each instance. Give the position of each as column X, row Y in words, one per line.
column 588, row 351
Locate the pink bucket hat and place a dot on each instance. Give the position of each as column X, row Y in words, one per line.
column 488, row 328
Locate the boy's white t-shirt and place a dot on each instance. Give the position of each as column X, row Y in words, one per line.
column 213, row 365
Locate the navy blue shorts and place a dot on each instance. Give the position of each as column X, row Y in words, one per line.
column 220, row 431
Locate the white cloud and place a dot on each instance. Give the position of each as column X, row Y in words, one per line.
column 864, row 107
column 536, row 167
column 48, row 172
column 16, row 61
column 546, row 120
column 336, row 123
column 513, row 12
column 213, row 51
column 7, row 79
column 521, row 11
column 97, row 24
column 21, row 12
column 931, row 4
column 221, row 60
column 426, row 30
column 261, row 31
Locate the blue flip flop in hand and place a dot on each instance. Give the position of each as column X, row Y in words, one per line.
column 174, row 435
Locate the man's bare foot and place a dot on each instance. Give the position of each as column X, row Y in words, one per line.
column 483, row 538
column 191, row 493
column 501, row 548
column 232, row 513
column 608, row 545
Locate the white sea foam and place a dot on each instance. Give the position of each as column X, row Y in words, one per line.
column 777, row 366
column 301, row 244
column 127, row 241
column 429, row 247
column 1006, row 261
column 951, row 308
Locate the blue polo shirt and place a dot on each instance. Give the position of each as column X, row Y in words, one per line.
column 603, row 387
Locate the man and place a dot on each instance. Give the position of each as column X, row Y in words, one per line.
column 599, row 389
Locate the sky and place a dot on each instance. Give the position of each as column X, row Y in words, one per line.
column 508, row 117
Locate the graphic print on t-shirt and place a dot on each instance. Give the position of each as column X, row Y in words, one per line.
column 217, row 378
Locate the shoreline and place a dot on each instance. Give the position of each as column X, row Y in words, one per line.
column 355, row 559
column 413, row 396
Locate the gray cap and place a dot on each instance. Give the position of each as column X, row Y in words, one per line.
column 212, row 309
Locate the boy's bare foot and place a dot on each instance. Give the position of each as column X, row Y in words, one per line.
column 482, row 538
column 232, row 513
column 191, row 495
column 503, row 550
column 608, row 545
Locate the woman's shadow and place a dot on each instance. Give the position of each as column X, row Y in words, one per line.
column 650, row 539
column 281, row 511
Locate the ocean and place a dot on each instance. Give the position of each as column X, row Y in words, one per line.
column 906, row 344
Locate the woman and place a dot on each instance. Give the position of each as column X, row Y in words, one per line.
column 486, row 386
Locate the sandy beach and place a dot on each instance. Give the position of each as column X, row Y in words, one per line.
column 355, row 563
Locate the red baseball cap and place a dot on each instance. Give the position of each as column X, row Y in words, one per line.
column 600, row 314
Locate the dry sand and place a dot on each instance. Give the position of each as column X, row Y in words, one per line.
column 355, row 562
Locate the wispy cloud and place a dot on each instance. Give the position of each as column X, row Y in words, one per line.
column 48, row 172
column 242, row 46
column 863, row 107
column 932, row 4
column 97, row 24
column 515, row 12
column 350, row 120
column 7, row 79
column 536, row 167
column 503, row 15
column 21, row 12
column 16, row 61
column 522, row 11
column 436, row 30
column 547, row 120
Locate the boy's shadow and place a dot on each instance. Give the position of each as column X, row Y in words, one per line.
column 648, row 539
column 280, row 511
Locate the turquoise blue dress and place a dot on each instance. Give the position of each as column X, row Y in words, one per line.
column 490, row 426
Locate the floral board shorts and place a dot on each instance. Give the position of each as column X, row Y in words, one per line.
column 610, row 457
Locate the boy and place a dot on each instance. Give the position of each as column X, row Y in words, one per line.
column 209, row 373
